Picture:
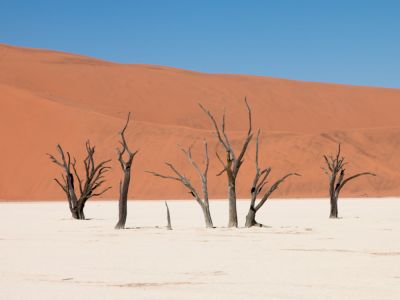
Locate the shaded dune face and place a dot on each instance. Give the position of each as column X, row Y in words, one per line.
column 52, row 97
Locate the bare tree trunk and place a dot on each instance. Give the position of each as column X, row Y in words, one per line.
column 251, row 218
column 169, row 226
column 126, row 166
column 123, row 202
column 71, row 195
column 334, row 207
column 207, row 216
column 80, row 213
column 75, row 215
column 233, row 220
column 72, row 208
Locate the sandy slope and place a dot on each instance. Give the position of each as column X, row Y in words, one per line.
column 302, row 255
column 50, row 97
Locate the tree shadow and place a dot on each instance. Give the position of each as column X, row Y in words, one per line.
column 145, row 227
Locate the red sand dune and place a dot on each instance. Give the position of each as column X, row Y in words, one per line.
column 51, row 97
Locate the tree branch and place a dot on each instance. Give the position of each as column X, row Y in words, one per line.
column 272, row 189
column 214, row 122
column 355, row 176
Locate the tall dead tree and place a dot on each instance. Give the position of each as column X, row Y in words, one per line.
column 202, row 201
column 336, row 172
column 233, row 162
column 259, row 182
column 94, row 178
column 124, row 185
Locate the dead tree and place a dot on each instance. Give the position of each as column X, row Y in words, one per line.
column 233, row 162
column 94, row 178
column 202, row 201
column 169, row 226
column 336, row 172
column 259, row 182
column 124, row 185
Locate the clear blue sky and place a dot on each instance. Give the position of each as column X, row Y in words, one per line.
column 343, row 41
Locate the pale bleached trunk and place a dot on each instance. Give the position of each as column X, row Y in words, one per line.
column 233, row 220
column 207, row 215
column 251, row 218
column 334, row 207
column 123, row 201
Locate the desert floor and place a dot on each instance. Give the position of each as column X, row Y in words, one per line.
column 302, row 254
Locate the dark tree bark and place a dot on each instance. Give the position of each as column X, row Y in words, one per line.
column 259, row 182
column 126, row 165
column 203, row 202
column 169, row 226
column 94, row 178
column 336, row 172
column 233, row 162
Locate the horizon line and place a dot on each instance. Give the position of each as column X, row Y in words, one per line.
column 94, row 57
